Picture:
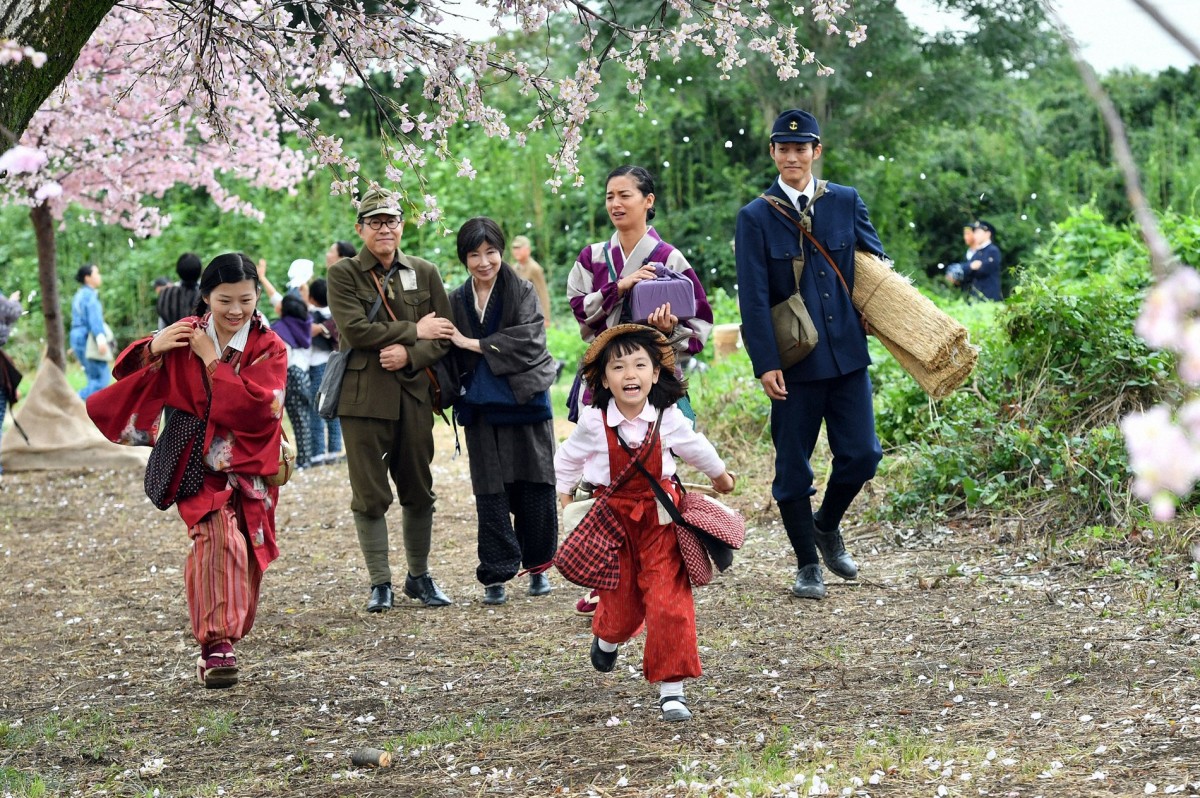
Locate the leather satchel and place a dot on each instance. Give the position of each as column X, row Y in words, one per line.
column 287, row 463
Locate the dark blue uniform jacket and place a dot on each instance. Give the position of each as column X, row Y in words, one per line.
column 765, row 245
column 986, row 279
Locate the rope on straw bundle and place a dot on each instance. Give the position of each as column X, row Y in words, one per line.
column 927, row 343
column 902, row 313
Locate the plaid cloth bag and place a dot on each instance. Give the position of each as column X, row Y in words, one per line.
column 588, row 557
column 708, row 532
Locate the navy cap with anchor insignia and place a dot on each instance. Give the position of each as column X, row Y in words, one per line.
column 795, row 125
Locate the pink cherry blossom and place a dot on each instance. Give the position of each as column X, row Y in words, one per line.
column 1164, row 457
column 122, row 130
column 22, row 160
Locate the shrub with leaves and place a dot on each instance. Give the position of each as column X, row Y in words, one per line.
column 1036, row 430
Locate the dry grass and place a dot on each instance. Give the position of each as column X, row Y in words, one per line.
column 965, row 662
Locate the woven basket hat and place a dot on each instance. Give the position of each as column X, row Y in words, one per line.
column 593, row 371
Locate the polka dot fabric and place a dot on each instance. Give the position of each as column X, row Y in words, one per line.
column 175, row 469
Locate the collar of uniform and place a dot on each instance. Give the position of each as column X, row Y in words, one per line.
column 368, row 261
column 792, row 194
column 614, row 417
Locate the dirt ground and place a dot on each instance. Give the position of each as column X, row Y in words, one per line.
column 966, row 661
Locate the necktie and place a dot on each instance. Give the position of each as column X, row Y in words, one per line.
column 802, row 202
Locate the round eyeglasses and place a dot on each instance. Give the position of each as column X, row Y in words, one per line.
column 378, row 223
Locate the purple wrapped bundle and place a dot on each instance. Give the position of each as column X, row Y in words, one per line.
column 673, row 287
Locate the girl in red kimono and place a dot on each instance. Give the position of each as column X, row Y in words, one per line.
column 230, row 354
column 630, row 370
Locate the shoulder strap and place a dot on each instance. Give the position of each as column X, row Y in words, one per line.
column 778, row 205
column 635, row 457
column 434, row 386
column 660, row 492
column 379, row 288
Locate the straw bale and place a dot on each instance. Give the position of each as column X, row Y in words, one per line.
column 897, row 310
column 938, row 383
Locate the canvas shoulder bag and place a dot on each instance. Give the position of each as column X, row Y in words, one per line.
column 329, row 393
column 795, row 333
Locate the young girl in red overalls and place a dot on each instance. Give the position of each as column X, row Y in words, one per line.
column 630, row 369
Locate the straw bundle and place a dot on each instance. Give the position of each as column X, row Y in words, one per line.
column 928, row 344
column 938, row 383
column 903, row 314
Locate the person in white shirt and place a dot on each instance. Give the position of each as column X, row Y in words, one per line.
column 630, row 370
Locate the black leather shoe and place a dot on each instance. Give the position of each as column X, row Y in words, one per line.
column 381, row 598
column 809, row 582
column 603, row 661
column 424, row 589
column 833, row 552
column 539, row 585
column 494, row 594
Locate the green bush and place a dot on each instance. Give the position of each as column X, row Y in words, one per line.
column 1036, row 429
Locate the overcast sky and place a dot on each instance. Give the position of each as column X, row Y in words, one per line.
column 1113, row 33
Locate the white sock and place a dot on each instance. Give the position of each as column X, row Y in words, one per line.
column 606, row 646
column 674, row 689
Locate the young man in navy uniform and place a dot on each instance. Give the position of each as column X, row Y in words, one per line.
column 831, row 384
column 983, row 272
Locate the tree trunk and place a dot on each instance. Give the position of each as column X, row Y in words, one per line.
column 58, row 28
column 47, row 251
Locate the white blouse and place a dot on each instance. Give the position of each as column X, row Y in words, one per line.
column 585, row 452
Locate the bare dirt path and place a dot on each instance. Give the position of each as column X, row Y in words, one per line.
column 965, row 662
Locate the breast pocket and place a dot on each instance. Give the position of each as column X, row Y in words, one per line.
column 785, row 253
column 416, row 304
column 840, row 240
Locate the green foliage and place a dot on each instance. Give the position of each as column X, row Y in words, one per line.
column 1059, row 366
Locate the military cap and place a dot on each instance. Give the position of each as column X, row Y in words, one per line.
column 796, row 125
column 979, row 224
column 379, row 201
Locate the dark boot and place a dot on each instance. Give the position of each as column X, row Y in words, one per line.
column 809, row 582
column 833, row 552
column 381, row 598
column 494, row 594
column 539, row 585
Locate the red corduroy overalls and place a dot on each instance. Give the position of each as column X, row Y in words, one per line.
column 654, row 586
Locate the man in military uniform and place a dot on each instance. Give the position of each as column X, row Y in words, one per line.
column 529, row 269
column 385, row 405
column 831, row 383
column 983, row 266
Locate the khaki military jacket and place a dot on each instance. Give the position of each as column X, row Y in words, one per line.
column 369, row 390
